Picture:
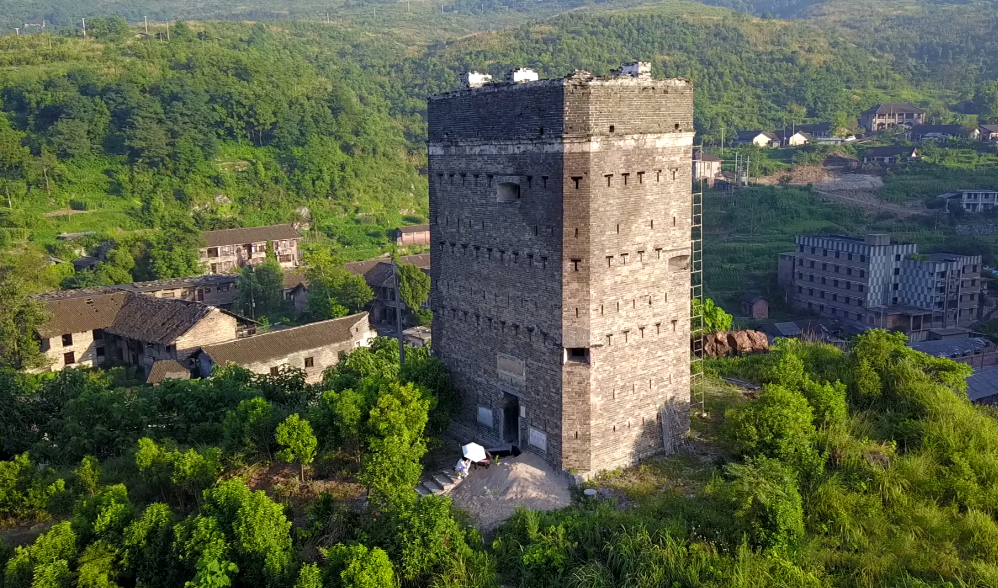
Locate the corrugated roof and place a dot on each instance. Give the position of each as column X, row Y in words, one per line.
column 954, row 348
column 377, row 271
column 414, row 229
column 84, row 312
column 167, row 369
column 278, row 344
column 942, row 129
column 250, row 235
column 154, row 285
column 701, row 156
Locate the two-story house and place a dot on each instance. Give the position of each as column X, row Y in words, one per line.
column 105, row 326
column 885, row 116
column 228, row 249
column 988, row 133
column 706, row 167
column 979, row 200
column 378, row 275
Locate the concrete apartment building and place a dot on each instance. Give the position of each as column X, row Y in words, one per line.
column 874, row 282
column 885, row 116
column 972, row 200
column 311, row 348
column 229, row 249
column 560, row 224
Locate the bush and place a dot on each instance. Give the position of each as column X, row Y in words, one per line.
column 25, row 492
column 767, row 503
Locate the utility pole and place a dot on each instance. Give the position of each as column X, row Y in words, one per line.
column 17, row 32
column 722, row 142
column 167, row 30
column 145, row 19
column 398, row 311
column 84, row 28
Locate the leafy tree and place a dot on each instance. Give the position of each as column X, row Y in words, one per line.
column 333, row 291
column 714, row 317
column 414, row 289
column 174, row 254
column 296, row 436
column 356, row 566
column 309, row 576
column 147, row 547
column 780, row 424
column 88, row 475
column 339, row 420
column 260, row 290
column 391, row 467
column 767, row 504
column 251, row 425
column 20, row 319
column 25, row 490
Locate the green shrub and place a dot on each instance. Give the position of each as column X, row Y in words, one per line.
column 767, row 503
column 26, row 492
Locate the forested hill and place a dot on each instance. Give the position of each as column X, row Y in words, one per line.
column 152, row 140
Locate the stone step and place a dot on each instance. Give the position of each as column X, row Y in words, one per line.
column 434, row 486
column 451, row 475
column 422, row 490
column 445, row 482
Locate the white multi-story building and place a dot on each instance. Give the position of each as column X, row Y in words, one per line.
column 972, row 200
column 875, row 282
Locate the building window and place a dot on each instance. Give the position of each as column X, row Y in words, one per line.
column 577, row 354
column 100, row 354
column 67, row 340
column 485, row 416
column 849, row 257
column 838, row 254
column 897, row 271
column 812, row 264
column 862, row 273
column 274, row 370
column 309, row 362
column 507, row 192
column 98, row 334
column 69, row 358
column 800, row 289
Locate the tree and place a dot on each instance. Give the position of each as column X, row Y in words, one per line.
column 20, row 318
column 332, row 291
column 174, row 254
column 714, row 317
column 251, row 425
column 261, row 290
column 391, row 467
column 296, row 436
column 767, row 503
column 88, row 475
column 414, row 290
column 356, row 566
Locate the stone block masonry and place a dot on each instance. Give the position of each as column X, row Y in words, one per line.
column 560, row 229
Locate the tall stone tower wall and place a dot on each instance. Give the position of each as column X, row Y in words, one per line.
column 559, row 215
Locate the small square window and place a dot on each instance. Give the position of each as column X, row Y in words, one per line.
column 274, row 370
column 69, row 358
column 67, row 340
column 309, row 362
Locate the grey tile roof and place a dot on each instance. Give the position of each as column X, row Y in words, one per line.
column 277, row 344
column 250, row 235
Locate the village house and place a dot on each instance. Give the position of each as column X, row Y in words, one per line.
column 889, row 155
column 311, row 348
column 105, row 326
column 755, row 306
column 941, row 132
column 378, row 275
column 988, row 133
column 296, row 288
column 214, row 290
column 885, row 116
column 817, row 131
column 413, row 235
column 758, row 138
column 792, row 138
column 706, row 167
column 228, row 249
column 40, row 23
column 979, row 200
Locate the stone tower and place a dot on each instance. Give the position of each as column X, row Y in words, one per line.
column 560, row 231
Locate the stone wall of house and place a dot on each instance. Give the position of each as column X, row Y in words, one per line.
column 217, row 327
column 83, row 347
column 573, row 297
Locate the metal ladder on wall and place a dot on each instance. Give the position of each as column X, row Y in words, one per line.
column 696, row 300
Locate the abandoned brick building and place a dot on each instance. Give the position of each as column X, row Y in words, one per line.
column 560, row 223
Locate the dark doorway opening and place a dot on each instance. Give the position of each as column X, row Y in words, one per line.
column 511, row 419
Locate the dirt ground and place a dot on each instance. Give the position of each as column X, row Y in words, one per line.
column 492, row 495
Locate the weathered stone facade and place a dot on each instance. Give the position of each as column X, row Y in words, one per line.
column 560, row 222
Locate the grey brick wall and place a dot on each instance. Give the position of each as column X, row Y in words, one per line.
column 592, row 255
